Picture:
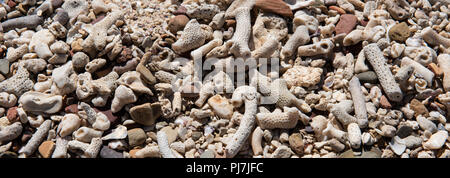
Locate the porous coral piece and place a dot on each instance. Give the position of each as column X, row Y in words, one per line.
column 106, row 84
column 75, row 7
column 300, row 76
column 324, row 46
column 282, row 97
column 238, row 44
column 300, row 37
column 61, row 146
column 193, row 36
column 387, row 80
column 41, row 102
column 40, row 43
column 90, row 150
column 10, row 132
column 148, row 152
column 278, row 119
column 18, row 84
column 36, row 139
column 122, row 96
column 17, row 53
column 94, row 65
column 354, row 135
column 418, row 68
column 247, row 95
column 395, row 10
column 97, row 36
column 203, row 11
column 86, row 134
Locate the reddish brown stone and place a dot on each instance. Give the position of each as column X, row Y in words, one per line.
column 436, row 70
column 346, row 23
column 133, row 153
column 363, row 23
column 274, row 6
column 180, row 11
column 73, row 108
column 11, row 3
column 230, row 23
column 98, row 19
column 178, row 23
column 385, row 102
column 12, row 114
column 125, row 55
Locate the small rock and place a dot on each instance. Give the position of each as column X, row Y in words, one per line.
column 384, row 102
column 368, row 77
column 180, row 11
column 136, row 137
column 145, row 114
column 404, row 131
column 208, row 154
column 46, row 149
column 178, row 23
column 221, row 106
column 111, row 117
column 373, row 153
column 172, row 134
column 4, row 66
column 436, row 141
column 73, row 108
column 282, row 152
column 301, row 76
column 418, row 108
column 274, row 6
column 347, row 154
column 125, row 55
column 107, row 152
column 296, row 143
column 133, row 153
column 196, row 135
column 230, row 23
column 346, row 24
column 399, row 32
column 397, row 145
column 12, row 114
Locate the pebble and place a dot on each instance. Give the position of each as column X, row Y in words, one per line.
column 172, row 134
column 221, row 106
column 107, row 152
column 296, row 143
column 368, row 77
column 144, row 114
column 12, row 115
column 426, row 124
column 196, row 135
column 404, row 131
column 399, row 32
column 346, row 24
column 412, row 141
column 46, row 149
column 274, row 6
column 208, row 154
column 384, row 102
column 136, row 137
column 4, row 66
column 178, row 23
column 418, row 108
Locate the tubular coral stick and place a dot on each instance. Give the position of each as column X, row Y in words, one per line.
column 36, row 139
column 18, row 84
column 433, row 38
column 332, row 132
column 257, row 136
column 300, row 37
column 419, row 68
column 354, row 135
column 280, row 95
column 10, row 132
column 387, row 81
column 30, row 22
column 202, row 51
column 444, row 64
column 358, row 100
column 248, row 95
column 278, row 120
column 61, row 147
column 163, row 145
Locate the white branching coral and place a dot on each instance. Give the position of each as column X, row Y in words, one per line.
column 278, row 119
column 248, row 96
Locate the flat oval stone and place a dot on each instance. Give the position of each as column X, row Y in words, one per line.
column 346, row 24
